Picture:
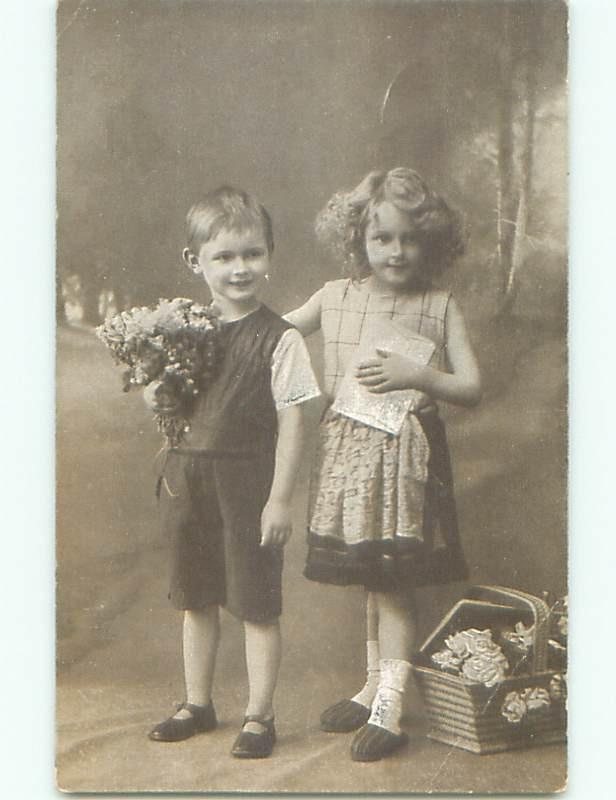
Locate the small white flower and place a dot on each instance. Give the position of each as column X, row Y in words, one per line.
column 558, row 687
column 446, row 659
column 514, row 708
column 536, row 698
column 522, row 637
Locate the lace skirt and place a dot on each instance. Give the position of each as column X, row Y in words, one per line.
column 382, row 511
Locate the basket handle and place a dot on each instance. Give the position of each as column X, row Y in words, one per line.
column 518, row 599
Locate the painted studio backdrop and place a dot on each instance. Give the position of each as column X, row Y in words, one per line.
column 294, row 100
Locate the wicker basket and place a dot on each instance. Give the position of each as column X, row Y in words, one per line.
column 470, row 715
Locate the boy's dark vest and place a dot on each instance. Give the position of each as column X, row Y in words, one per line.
column 237, row 415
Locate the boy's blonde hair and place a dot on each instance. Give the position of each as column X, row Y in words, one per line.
column 228, row 208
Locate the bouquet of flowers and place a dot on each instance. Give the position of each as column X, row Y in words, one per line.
column 174, row 342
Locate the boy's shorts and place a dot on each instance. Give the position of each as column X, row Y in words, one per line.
column 211, row 512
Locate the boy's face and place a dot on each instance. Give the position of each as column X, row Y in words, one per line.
column 234, row 265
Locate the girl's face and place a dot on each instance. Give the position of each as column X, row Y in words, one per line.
column 394, row 254
column 234, row 265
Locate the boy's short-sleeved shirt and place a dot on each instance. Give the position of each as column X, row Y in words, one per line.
column 293, row 379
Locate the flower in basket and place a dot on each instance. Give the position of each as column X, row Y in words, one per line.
column 536, row 698
column 521, row 637
column 459, row 645
column 514, row 708
column 558, row 687
column 471, row 642
column 559, row 625
column 174, row 342
column 447, row 660
column 561, row 615
column 475, row 655
column 518, row 704
column 487, row 668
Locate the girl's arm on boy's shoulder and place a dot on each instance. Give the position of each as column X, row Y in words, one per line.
column 276, row 518
column 307, row 318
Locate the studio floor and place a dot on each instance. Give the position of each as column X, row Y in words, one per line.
column 118, row 646
column 104, row 717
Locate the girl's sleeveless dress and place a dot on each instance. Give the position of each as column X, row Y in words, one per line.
column 382, row 509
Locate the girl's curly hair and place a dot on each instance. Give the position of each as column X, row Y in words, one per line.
column 341, row 225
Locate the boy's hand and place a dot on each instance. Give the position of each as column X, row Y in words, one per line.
column 159, row 399
column 276, row 524
column 391, row 371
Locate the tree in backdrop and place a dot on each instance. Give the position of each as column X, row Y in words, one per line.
column 477, row 99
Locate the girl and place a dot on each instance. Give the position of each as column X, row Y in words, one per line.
column 379, row 499
column 227, row 489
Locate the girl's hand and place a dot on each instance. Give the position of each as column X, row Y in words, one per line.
column 391, row 371
column 159, row 399
column 276, row 523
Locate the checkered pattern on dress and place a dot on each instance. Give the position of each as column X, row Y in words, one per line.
column 346, row 306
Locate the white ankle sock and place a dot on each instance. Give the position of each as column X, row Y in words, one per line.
column 366, row 695
column 387, row 705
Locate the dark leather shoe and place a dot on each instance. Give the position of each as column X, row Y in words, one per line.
column 255, row 745
column 202, row 719
column 344, row 716
column 372, row 743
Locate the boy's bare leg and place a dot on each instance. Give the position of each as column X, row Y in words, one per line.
column 263, row 653
column 201, row 636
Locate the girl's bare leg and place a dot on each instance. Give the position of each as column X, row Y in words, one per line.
column 382, row 735
column 372, row 618
column 350, row 714
column 397, row 626
column 366, row 694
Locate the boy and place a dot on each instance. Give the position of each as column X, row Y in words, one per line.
column 227, row 498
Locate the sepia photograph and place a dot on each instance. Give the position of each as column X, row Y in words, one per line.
column 311, row 396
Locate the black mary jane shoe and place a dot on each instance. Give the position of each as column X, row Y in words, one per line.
column 255, row 745
column 372, row 743
column 202, row 719
column 344, row 716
